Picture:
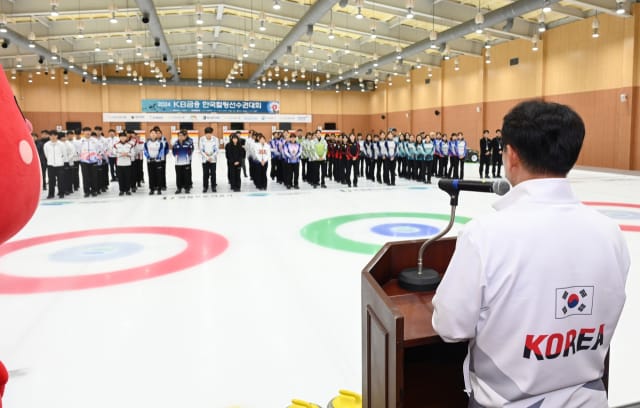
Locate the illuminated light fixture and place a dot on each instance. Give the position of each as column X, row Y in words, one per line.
column 331, row 35
column 18, row 62
column 340, row 73
column 135, row 75
column 72, row 62
column 310, row 49
column 276, row 4
column 13, row 74
column 433, row 37
column 113, row 19
column 329, row 59
column 407, row 77
column 199, row 63
column 430, row 72
column 487, row 44
column 38, row 69
column 456, row 64
column 373, row 31
column 252, row 41
column 359, row 15
column 245, row 53
column 129, row 39
column 263, row 21
column 110, row 56
column 375, row 60
column 479, row 21
column 410, row 14
column 542, row 27
column 54, row 8
column 138, row 51
column 337, row 88
column 97, row 48
column 534, row 43
column 314, row 68
column 84, row 69
column 3, row 23
column 30, row 78
column 80, row 29
column 398, row 53
column 54, row 52
column 620, row 7
column 199, row 38
column 199, row 20
column 487, row 57
column 595, row 27
column 53, row 73
column 94, row 73
column 32, row 40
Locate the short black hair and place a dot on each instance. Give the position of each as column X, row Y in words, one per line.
column 547, row 136
column 86, row 128
column 208, row 129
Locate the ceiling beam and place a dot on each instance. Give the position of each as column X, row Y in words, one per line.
column 491, row 18
column 602, row 6
column 315, row 13
column 150, row 14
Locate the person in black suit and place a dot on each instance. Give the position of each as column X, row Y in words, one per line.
column 496, row 154
column 40, row 141
column 235, row 156
column 485, row 154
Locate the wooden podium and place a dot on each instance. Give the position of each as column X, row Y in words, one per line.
column 405, row 364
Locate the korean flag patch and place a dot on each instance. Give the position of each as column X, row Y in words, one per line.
column 574, row 300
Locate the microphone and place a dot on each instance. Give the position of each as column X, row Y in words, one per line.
column 500, row 187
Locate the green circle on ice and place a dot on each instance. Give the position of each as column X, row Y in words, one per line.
column 324, row 232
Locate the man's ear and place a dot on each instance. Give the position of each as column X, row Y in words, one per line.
column 512, row 156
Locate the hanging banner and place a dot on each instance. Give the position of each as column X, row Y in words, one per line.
column 205, row 117
column 207, row 106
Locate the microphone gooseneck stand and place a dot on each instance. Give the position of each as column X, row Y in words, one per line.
column 419, row 279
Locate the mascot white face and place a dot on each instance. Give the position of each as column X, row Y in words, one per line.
column 20, row 178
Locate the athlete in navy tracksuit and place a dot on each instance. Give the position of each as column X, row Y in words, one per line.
column 183, row 150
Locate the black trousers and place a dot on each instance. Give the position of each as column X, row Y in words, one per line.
column 112, row 168
column 443, row 172
column 453, row 167
column 323, row 171
column 313, row 173
column 280, row 174
column 433, row 166
column 260, row 175
column 352, row 165
column 89, row 177
column 361, row 161
column 233, row 173
column 428, row 170
column 378, row 168
column 67, row 177
column 75, row 175
column 209, row 173
column 163, row 174
column 56, row 178
column 154, row 168
column 105, row 174
column 183, row 176
column 293, row 173
column 497, row 165
column 389, row 171
column 484, row 165
column 305, row 163
column 43, row 169
column 274, row 167
column 461, row 166
column 124, row 178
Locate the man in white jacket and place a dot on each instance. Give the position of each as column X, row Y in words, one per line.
column 209, row 146
column 56, row 153
column 537, row 287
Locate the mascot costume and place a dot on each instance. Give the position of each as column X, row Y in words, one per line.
column 20, row 179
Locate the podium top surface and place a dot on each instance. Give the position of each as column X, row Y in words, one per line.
column 417, row 310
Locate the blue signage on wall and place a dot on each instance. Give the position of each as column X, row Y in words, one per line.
column 207, row 106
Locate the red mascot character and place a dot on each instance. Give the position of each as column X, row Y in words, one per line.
column 19, row 175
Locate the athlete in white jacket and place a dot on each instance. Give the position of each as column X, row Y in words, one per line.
column 537, row 287
column 209, row 146
column 56, row 153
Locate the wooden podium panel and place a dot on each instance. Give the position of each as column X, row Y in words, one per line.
column 405, row 363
